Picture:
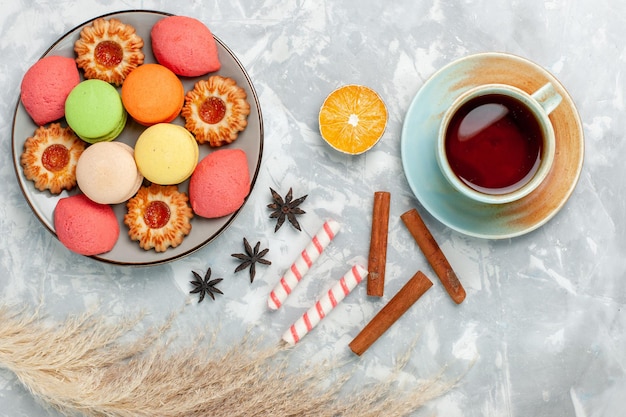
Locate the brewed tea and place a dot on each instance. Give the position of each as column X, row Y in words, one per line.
column 493, row 144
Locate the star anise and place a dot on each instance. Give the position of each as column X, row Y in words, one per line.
column 286, row 209
column 206, row 285
column 251, row 257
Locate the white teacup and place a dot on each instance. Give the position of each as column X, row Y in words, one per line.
column 496, row 143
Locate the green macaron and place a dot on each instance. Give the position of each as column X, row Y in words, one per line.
column 94, row 111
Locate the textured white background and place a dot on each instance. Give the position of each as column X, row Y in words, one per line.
column 543, row 324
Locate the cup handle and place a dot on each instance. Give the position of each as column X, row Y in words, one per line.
column 547, row 97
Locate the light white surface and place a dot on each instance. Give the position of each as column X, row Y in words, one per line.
column 543, row 323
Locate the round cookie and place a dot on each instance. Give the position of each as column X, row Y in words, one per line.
column 166, row 153
column 216, row 110
column 158, row 217
column 220, row 183
column 106, row 173
column 94, row 111
column 50, row 157
column 185, row 45
column 85, row 227
column 108, row 50
column 45, row 87
column 153, row 94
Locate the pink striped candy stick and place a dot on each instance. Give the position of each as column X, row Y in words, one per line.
column 325, row 304
column 301, row 265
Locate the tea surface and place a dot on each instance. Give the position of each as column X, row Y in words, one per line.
column 493, row 144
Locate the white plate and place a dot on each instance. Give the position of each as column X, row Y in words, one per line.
column 127, row 252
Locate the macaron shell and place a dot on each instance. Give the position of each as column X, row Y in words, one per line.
column 166, row 154
column 45, row 87
column 220, row 183
column 185, row 45
column 84, row 226
column 94, row 111
column 134, row 187
column 106, row 173
column 153, row 94
column 111, row 135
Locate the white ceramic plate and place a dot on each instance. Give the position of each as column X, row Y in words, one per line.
column 127, row 252
column 419, row 137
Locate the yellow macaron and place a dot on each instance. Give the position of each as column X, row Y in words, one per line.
column 166, row 153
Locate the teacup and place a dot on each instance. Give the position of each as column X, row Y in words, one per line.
column 496, row 143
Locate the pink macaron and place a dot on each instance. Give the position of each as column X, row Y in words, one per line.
column 45, row 87
column 184, row 45
column 85, row 227
column 220, row 183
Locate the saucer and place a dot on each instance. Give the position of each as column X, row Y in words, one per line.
column 436, row 195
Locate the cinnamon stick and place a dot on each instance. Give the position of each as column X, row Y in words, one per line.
column 378, row 244
column 391, row 312
column 434, row 255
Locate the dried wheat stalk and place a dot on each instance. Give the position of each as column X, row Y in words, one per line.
column 83, row 367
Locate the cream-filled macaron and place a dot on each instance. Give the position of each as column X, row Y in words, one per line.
column 166, row 153
column 95, row 112
column 107, row 173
